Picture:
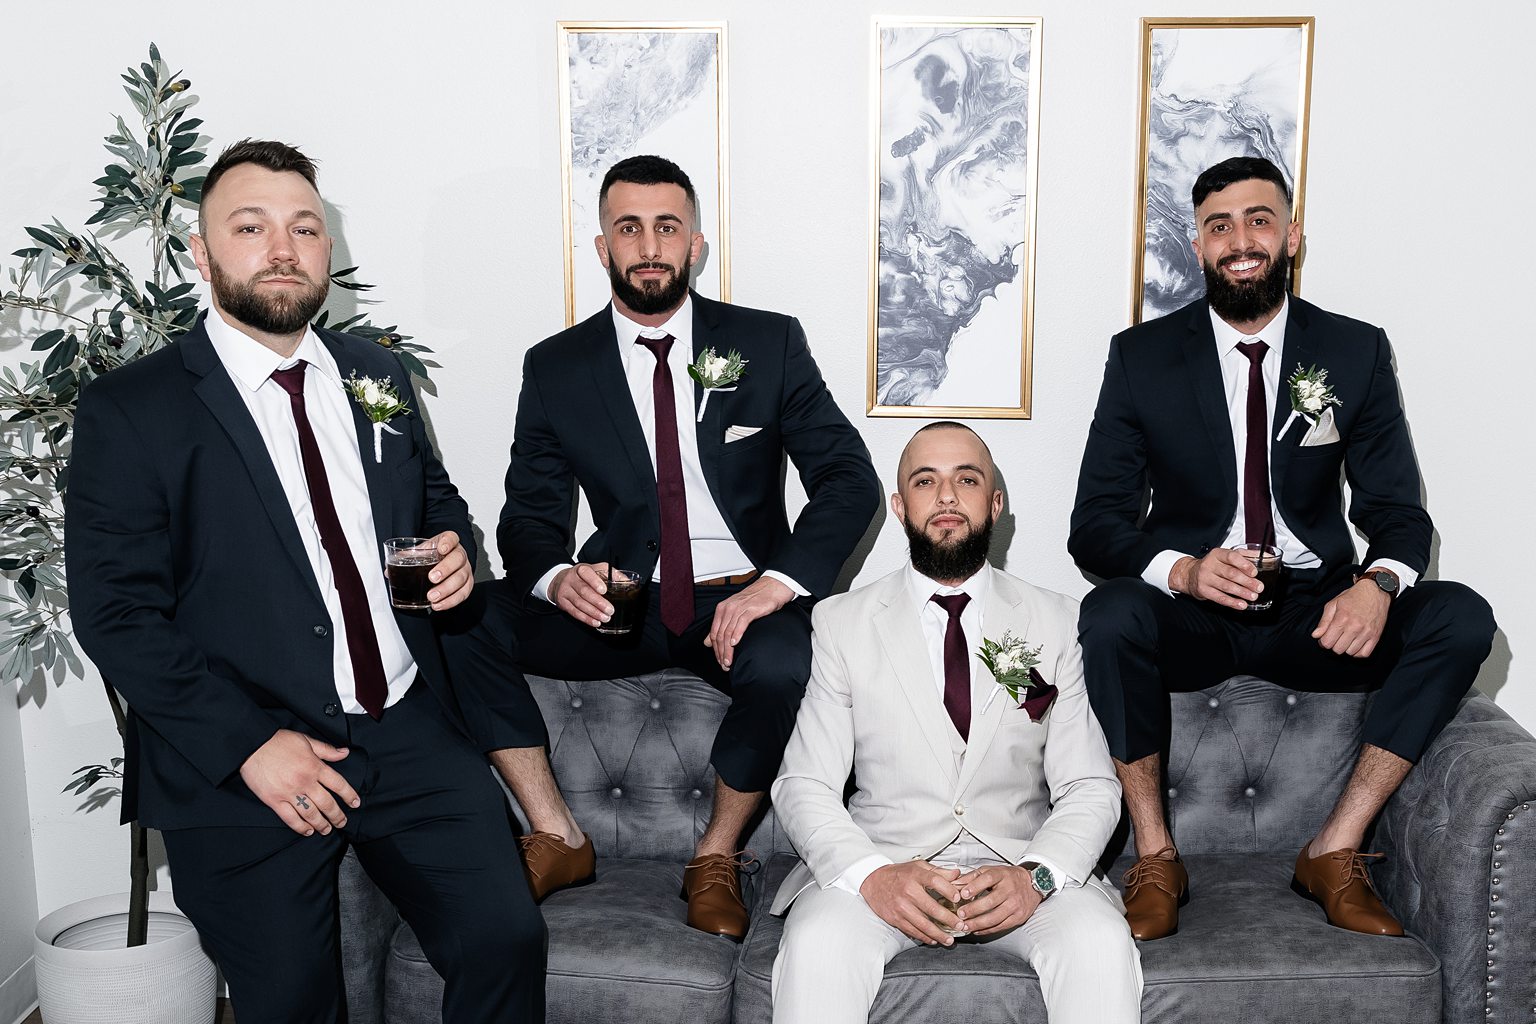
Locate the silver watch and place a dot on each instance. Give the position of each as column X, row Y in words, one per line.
column 1041, row 877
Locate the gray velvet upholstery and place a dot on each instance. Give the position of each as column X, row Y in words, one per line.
column 1252, row 769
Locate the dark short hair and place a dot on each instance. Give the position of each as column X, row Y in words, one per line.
column 1236, row 169
column 274, row 156
column 648, row 170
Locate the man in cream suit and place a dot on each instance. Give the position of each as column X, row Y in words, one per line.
column 961, row 788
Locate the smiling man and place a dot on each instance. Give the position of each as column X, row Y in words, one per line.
column 1197, row 408
column 1000, row 804
column 224, row 525
column 684, row 482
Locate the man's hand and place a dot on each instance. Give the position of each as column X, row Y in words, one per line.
column 1008, row 902
column 578, row 591
column 1353, row 621
column 898, row 894
column 1224, row 576
column 289, row 774
column 453, row 577
column 764, row 596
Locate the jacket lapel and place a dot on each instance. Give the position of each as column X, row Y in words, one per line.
column 710, row 429
column 217, row 391
column 1004, row 612
column 901, row 637
column 1210, row 396
column 376, row 474
column 1299, row 349
column 598, row 349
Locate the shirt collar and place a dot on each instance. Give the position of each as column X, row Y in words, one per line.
column 1227, row 336
column 251, row 363
column 679, row 325
column 923, row 588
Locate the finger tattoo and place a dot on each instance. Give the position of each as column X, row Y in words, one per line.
column 301, row 802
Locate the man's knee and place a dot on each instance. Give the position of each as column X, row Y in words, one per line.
column 1095, row 934
column 1119, row 610
column 1456, row 616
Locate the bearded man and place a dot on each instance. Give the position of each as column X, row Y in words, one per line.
column 683, row 477
column 224, row 528
column 999, row 802
column 1237, row 414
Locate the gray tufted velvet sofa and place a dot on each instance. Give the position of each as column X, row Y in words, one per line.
column 1252, row 769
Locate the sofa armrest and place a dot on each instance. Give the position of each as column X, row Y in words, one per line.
column 1460, row 870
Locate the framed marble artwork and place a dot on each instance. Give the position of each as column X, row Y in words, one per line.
column 956, row 114
column 1211, row 88
column 628, row 88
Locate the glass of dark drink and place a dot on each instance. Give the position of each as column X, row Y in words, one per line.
column 1266, row 559
column 625, row 590
column 407, row 561
column 951, row 905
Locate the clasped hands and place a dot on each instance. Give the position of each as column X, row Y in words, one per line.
column 1351, row 623
column 1001, row 897
column 578, row 591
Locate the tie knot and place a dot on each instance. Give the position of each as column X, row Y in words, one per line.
column 658, row 346
column 954, row 604
column 1254, row 350
column 291, row 380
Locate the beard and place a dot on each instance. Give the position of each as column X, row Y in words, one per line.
column 652, row 297
column 956, row 557
column 279, row 313
column 1245, row 301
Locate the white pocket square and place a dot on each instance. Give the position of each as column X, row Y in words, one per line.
column 735, row 432
column 1321, row 432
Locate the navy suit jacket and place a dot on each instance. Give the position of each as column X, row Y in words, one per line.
column 189, row 586
column 576, row 425
column 1161, row 427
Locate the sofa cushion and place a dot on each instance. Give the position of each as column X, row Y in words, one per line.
column 619, row 949
column 1246, row 944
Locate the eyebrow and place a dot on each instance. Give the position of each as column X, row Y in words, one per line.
column 930, row 469
column 634, row 218
column 258, row 211
column 1246, row 213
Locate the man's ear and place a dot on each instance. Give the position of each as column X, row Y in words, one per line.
column 898, row 507
column 601, row 245
column 200, row 256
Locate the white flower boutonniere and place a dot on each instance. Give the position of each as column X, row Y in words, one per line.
column 1310, row 396
column 380, row 401
column 1009, row 660
column 714, row 372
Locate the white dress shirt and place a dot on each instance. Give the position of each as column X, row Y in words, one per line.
column 715, row 551
column 1234, row 381
column 984, row 689
column 326, row 403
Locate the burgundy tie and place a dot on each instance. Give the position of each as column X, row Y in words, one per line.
column 676, row 547
column 362, row 641
column 957, row 663
column 1258, row 523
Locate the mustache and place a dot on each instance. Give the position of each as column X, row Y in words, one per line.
column 294, row 272
column 950, row 512
column 650, row 265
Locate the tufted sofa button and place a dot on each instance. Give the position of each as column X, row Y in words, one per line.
column 1290, row 699
column 1173, row 791
column 655, row 704
column 575, row 702
column 1250, row 792
column 616, row 792
column 1213, row 702
column 695, row 793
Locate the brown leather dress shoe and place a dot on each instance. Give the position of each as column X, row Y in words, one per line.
column 1156, row 887
column 549, row 863
column 712, row 887
column 1337, row 882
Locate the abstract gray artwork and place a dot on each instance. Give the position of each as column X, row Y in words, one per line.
column 1212, row 92
column 956, row 167
column 628, row 90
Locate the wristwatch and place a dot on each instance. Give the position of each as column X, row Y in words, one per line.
column 1041, row 877
column 1382, row 578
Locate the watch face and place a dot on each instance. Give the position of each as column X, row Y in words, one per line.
column 1043, row 880
column 1385, row 581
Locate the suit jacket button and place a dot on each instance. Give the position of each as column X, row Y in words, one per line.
column 332, row 710
column 650, row 545
column 959, row 808
column 321, row 631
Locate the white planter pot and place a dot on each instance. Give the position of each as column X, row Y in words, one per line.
column 86, row 975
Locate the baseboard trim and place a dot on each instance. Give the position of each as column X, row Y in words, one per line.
column 18, row 993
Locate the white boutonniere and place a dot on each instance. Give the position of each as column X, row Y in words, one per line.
column 714, row 372
column 1310, row 396
column 380, row 400
column 1009, row 660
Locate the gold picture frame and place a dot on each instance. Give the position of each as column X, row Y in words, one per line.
column 1265, row 113
column 952, row 222
column 620, row 114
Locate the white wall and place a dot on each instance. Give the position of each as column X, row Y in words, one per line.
column 436, row 128
column 18, row 887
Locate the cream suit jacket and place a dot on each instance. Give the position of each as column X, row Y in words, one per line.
column 1026, row 789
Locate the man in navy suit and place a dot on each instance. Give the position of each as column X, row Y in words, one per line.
column 1197, row 409
column 684, row 481
column 226, row 510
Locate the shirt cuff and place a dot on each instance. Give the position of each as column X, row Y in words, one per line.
column 852, row 880
column 1406, row 577
column 1062, row 878
column 541, row 588
column 1157, row 570
column 774, row 574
